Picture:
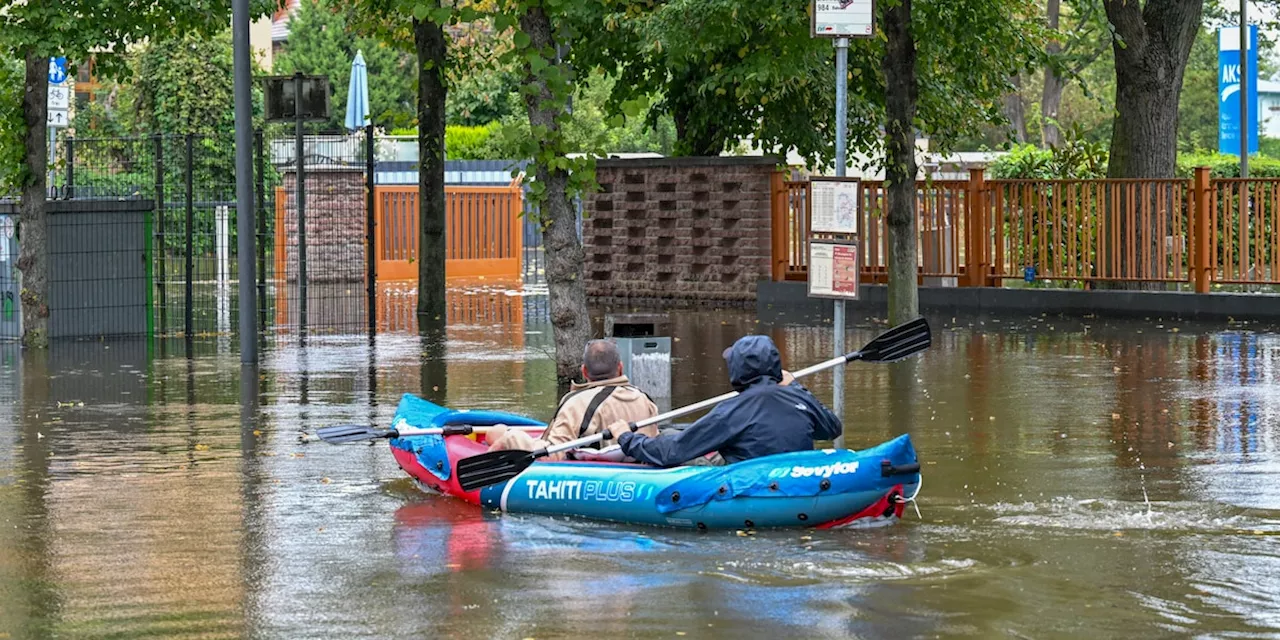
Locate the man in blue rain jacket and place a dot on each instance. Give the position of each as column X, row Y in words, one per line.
column 771, row 414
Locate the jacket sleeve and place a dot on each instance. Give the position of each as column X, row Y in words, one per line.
column 702, row 437
column 826, row 426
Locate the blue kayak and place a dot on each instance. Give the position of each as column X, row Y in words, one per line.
column 818, row 489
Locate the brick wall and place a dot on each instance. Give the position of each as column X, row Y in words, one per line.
column 687, row 230
column 335, row 224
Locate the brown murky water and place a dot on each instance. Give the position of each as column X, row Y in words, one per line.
column 1081, row 480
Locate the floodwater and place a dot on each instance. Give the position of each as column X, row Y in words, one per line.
column 1081, row 479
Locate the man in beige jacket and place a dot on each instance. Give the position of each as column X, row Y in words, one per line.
column 607, row 397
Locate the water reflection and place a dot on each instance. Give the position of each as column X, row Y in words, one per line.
column 1082, row 479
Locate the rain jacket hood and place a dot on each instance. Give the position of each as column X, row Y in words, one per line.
column 765, row 418
column 753, row 359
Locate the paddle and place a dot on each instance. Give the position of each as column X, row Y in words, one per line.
column 341, row 434
column 497, row 466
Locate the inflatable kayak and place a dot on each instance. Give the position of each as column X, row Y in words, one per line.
column 819, row 489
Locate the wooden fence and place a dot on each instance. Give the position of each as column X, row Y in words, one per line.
column 981, row 232
column 483, row 232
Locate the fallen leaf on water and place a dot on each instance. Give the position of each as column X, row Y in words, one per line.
column 256, row 432
column 325, row 480
column 202, row 447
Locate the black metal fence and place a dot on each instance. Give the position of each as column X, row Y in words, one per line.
column 314, row 270
column 191, row 179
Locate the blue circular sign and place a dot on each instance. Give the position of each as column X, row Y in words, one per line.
column 57, row 70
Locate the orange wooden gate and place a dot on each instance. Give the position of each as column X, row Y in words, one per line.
column 483, row 233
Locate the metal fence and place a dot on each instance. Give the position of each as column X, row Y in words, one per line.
column 192, row 241
column 316, row 269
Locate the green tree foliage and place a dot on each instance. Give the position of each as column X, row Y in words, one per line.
column 34, row 31
column 482, row 95
column 727, row 70
column 590, row 128
column 11, row 126
column 1198, row 104
column 184, row 85
column 1078, row 36
column 176, row 86
column 323, row 39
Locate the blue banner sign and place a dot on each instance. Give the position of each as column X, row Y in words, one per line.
column 1229, row 90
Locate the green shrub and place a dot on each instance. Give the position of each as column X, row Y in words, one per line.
column 463, row 142
column 1026, row 162
column 468, row 143
column 1076, row 157
column 1223, row 165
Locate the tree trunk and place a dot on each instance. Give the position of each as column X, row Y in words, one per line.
column 569, row 316
column 33, row 225
column 705, row 139
column 1151, row 49
column 1049, row 100
column 1015, row 111
column 899, row 67
column 429, row 42
column 1051, row 97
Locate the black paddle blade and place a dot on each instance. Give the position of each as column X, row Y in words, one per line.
column 492, row 467
column 342, row 434
column 904, row 340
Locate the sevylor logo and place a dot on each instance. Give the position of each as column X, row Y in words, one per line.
column 821, row 471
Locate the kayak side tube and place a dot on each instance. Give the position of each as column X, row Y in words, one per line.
column 831, row 487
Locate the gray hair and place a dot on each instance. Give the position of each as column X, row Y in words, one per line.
column 601, row 360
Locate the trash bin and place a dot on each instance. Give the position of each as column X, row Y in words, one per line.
column 646, row 356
